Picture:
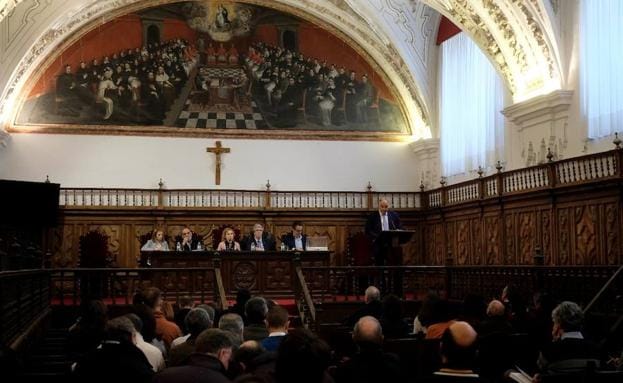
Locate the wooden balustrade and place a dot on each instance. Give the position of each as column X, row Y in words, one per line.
column 578, row 170
column 24, row 299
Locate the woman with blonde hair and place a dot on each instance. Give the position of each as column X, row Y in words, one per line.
column 157, row 242
column 228, row 243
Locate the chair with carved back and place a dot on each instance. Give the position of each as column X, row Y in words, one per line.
column 217, row 234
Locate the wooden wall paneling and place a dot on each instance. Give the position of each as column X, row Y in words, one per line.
column 584, row 235
column 611, row 233
column 477, row 241
column 564, row 227
column 545, row 238
column 509, row 237
column 492, row 226
column 463, row 243
column 449, row 242
column 526, row 237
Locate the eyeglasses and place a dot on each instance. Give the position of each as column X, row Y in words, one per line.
column 186, row 232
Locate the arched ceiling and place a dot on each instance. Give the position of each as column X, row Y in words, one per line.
column 395, row 35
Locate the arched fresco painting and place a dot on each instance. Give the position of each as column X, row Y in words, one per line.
column 208, row 66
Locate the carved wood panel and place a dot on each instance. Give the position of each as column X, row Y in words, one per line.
column 585, row 235
column 611, row 231
column 463, row 243
column 546, row 237
column 477, row 242
column 563, row 237
column 527, row 237
column 492, row 230
column 509, row 225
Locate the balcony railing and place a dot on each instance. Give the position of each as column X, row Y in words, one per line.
column 549, row 176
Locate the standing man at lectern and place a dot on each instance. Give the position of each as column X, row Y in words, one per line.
column 383, row 220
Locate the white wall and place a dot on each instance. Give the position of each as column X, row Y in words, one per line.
column 139, row 162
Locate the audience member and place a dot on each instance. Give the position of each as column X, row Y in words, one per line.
column 233, row 324
column 185, row 304
column 277, row 323
column 197, row 320
column 207, row 365
column 458, row 353
column 569, row 351
column 118, row 359
column 88, row 332
column 256, row 310
column 373, row 307
column 392, row 321
column 496, row 322
column 165, row 329
column 242, row 296
column 303, row 358
column 371, row 363
column 153, row 354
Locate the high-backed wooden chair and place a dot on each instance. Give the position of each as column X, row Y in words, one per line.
column 217, row 234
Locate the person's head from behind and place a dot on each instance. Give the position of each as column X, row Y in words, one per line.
column 136, row 322
column 186, row 302
column 302, row 357
column 196, row 321
column 209, row 309
column 368, row 332
column 372, row 294
column 233, row 323
column 496, row 309
column 228, row 234
column 242, row 296
column 94, row 314
column 383, row 206
column 458, row 346
column 217, row 343
column 247, row 352
column 567, row 317
column 277, row 319
column 256, row 309
column 121, row 330
column 152, row 297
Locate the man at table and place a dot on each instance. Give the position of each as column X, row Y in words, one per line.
column 295, row 240
column 258, row 240
column 189, row 241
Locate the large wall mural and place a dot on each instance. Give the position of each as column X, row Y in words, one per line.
column 207, row 67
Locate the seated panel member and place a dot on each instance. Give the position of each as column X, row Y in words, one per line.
column 259, row 240
column 189, row 240
column 227, row 243
column 156, row 243
column 295, row 240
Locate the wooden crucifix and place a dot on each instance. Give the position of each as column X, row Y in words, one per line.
column 218, row 150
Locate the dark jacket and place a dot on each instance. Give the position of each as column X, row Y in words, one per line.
column 267, row 240
column 130, row 364
column 374, row 226
column 202, row 368
column 374, row 308
column 371, row 364
column 289, row 241
column 255, row 332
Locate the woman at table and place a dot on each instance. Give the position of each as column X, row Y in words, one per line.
column 228, row 243
column 157, row 242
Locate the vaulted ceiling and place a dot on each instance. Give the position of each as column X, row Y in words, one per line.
column 397, row 37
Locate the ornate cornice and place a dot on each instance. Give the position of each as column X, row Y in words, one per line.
column 7, row 7
column 516, row 35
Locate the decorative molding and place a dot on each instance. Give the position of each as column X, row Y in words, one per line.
column 8, row 7
column 539, row 109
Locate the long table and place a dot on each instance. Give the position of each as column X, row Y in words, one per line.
column 268, row 273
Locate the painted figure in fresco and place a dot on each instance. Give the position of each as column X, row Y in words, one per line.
column 222, row 20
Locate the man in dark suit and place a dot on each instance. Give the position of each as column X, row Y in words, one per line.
column 295, row 240
column 383, row 220
column 258, row 240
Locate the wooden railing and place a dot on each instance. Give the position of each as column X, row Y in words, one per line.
column 304, row 302
column 573, row 171
column 24, row 299
column 118, row 286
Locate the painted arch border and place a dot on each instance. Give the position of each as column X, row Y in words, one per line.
column 54, row 41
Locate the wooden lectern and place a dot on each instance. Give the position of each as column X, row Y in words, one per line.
column 390, row 242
